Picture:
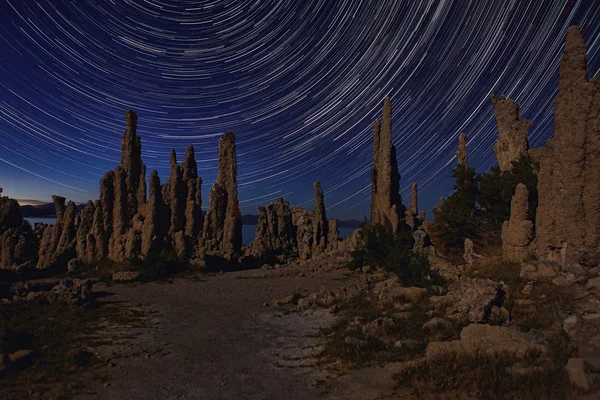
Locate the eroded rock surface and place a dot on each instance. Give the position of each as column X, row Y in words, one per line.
column 386, row 202
column 513, row 139
column 223, row 225
column 568, row 217
column 517, row 232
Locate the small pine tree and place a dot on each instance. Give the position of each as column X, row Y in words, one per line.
column 496, row 190
column 456, row 218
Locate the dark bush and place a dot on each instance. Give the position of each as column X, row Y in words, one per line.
column 383, row 248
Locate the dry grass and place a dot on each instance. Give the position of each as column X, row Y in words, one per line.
column 368, row 350
column 62, row 339
column 497, row 270
column 486, row 376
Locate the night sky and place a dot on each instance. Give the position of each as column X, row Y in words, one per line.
column 299, row 81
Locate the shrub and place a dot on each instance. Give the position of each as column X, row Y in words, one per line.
column 496, row 190
column 158, row 265
column 385, row 249
column 479, row 206
column 455, row 217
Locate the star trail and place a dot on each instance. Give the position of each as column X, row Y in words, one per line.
column 300, row 83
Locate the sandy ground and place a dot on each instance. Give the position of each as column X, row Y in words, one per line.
column 214, row 338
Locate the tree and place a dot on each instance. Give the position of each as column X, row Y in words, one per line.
column 456, row 216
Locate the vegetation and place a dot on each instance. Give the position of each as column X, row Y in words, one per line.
column 354, row 348
column 60, row 337
column 479, row 206
column 383, row 248
column 491, row 376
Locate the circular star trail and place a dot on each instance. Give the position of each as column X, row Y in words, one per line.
column 300, row 83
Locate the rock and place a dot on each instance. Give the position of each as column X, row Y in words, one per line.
column 391, row 289
column 125, row 276
column 404, row 344
column 499, row 315
column 74, row 292
column 486, row 339
column 84, row 227
column 18, row 248
column 513, row 132
column 333, row 235
column 386, row 202
column 593, row 284
column 275, row 232
column 57, row 245
column 20, row 356
column 576, row 371
column 435, row 324
column 193, row 208
column 412, row 210
column 472, row 300
column 323, row 298
column 10, row 213
column 518, row 231
column 261, row 245
column 568, row 218
column 320, row 224
column 154, row 228
column 539, row 271
column 131, row 163
column 571, row 325
column 469, row 256
column 303, row 222
column 461, row 154
column 223, row 224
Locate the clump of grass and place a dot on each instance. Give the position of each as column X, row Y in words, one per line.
column 363, row 350
column 383, row 248
column 486, row 376
column 498, row 270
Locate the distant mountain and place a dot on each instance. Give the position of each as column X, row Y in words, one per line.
column 352, row 223
column 249, row 219
column 43, row 210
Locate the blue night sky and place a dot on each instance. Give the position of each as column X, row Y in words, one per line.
column 300, row 83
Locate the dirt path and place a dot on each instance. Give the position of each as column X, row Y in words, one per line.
column 214, row 338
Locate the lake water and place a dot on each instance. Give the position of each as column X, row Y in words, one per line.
column 248, row 231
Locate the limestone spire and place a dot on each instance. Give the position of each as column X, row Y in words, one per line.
column 386, row 203
column 461, row 153
column 513, row 132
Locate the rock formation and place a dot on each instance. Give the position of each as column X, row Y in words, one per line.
column 261, row 245
column 131, row 164
column 513, row 139
column 57, row 244
column 517, row 232
column 568, row 216
column 320, row 224
column 412, row 210
column 10, row 213
column 333, row 236
column 386, row 202
column 18, row 242
column 469, row 255
column 85, row 221
column 275, row 232
column 153, row 231
column 175, row 195
column 223, row 224
column 193, row 207
column 303, row 221
column 461, row 153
